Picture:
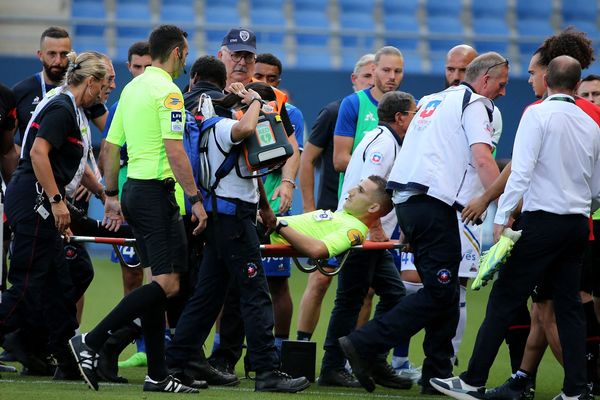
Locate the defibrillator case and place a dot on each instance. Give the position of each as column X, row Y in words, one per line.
column 269, row 146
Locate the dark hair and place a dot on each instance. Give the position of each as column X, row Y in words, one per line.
column 139, row 49
column 209, row 69
column 382, row 197
column 54, row 32
column 164, row 39
column 270, row 59
column 392, row 103
column 591, row 77
column 231, row 100
column 568, row 42
column 563, row 72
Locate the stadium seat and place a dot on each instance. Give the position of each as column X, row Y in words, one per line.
column 445, row 33
column 267, row 17
column 266, row 4
column 413, row 64
column 89, row 31
column 438, row 62
column 88, row 9
column 177, row 11
column 357, row 30
column 491, row 34
column 404, row 7
column 491, row 9
column 312, row 28
column 85, row 43
column 533, row 9
column 218, row 19
column 579, row 10
column 356, row 6
column 590, row 28
column 401, row 31
column 308, row 5
column 449, row 9
column 128, row 10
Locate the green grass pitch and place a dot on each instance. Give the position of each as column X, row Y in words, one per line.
column 106, row 291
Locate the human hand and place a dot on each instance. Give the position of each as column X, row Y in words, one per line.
column 498, row 229
column 285, row 193
column 474, row 210
column 62, row 216
column 199, row 214
column 82, row 193
column 113, row 217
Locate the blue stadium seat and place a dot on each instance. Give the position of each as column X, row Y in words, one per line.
column 313, row 58
column 88, row 9
column 534, row 9
column 492, row 9
column 363, row 30
column 438, row 61
column 266, row 4
column 133, row 32
column 437, row 8
column 578, row 10
column 138, row 10
column 533, row 27
column 491, row 34
column 401, row 31
column 308, row 5
column 89, row 31
column 445, row 33
column 82, row 43
column 590, row 28
column 218, row 19
column 312, row 28
column 177, row 11
column 404, row 7
column 355, row 6
column 267, row 17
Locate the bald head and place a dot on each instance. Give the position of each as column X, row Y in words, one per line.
column 457, row 60
column 563, row 75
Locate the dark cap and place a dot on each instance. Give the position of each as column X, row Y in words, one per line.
column 239, row 39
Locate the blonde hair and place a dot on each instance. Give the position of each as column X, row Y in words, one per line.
column 84, row 65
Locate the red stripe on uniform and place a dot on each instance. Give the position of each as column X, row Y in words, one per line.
column 74, row 140
column 35, row 125
column 510, row 328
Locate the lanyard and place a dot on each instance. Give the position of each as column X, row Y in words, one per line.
column 563, row 98
column 42, row 83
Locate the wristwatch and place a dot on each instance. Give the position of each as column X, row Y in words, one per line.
column 195, row 198
column 280, row 224
column 57, row 198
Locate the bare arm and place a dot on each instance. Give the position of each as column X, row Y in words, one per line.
column 109, row 158
column 478, row 205
column 342, row 152
column 309, row 157
column 486, row 166
column 306, row 245
column 289, row 170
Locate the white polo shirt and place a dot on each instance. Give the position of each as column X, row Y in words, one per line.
column 374, row 155
column 436, row 149
column 555, row 164
column 231, row 185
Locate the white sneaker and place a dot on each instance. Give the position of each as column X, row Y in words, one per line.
column 407, row 370
column 457, row 388
column 583, row 396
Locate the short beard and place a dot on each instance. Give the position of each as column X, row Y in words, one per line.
column 53, row 76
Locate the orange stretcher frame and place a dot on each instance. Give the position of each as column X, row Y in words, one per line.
column 267, row 250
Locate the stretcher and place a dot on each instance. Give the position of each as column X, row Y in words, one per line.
column 267, row 250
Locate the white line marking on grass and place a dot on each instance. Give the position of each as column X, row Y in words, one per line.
column 359, row 393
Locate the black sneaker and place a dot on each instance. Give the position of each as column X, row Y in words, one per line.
column 339, row 378
column 512, row 389
column 360, row 367
column 188, row 380
column 203, row 371
column 66, row 374
column 384, row 375
column 277, row 381
column 87, row 360
column 222, row 365
column 169, row 385
column 33, row 364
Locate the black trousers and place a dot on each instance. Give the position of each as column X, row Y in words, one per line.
column 38, row 273
column 551, row 245
column 374, row 269
column 231, row 256
column 430, row 226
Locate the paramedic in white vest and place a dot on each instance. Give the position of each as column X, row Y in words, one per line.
column 451, row 129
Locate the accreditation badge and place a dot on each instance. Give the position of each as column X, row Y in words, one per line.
column 323, row 215
column 176, row 121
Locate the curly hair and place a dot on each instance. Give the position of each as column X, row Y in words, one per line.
column 569, row 42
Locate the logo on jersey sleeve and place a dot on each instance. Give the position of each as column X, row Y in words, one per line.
column 376, row 158
column 176, row 121
column 355, row 236
column 370, row 117
column 444, row 276
column 323, row 215
column 173, row 101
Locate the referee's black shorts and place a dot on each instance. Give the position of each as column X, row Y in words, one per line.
column 150, row 208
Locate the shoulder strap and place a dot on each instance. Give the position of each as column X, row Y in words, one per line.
column 364, row 156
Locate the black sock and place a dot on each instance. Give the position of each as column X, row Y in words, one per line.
column 304, row 336
column 516, row 337
column 153, row 328
column 591, row 341
column 132, row 306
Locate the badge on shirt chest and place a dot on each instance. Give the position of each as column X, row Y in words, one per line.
column 176, row 121
column 323, row 215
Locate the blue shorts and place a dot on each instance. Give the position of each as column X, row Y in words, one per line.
column 277, row 266
column 128, row 253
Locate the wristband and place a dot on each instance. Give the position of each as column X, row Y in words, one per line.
column 290, row 181
column 98, row 195
column 255, row 99
column 111, row 193
column 195, row 198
